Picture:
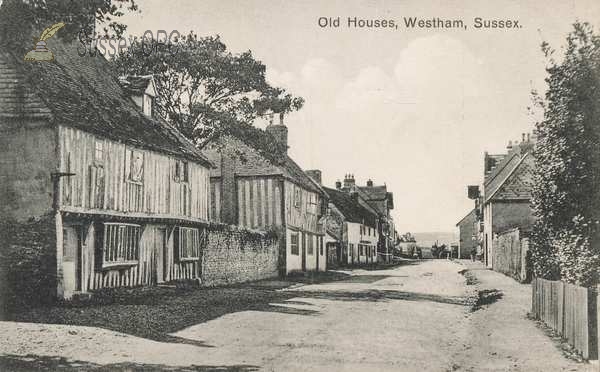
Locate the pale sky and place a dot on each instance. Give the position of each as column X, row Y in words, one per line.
column 414, row 109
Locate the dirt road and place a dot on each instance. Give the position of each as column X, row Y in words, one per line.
column 416, row 317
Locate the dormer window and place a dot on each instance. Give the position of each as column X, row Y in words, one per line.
column 147, row 105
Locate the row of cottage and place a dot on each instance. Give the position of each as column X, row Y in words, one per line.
column 118, row 197
column 499, row 225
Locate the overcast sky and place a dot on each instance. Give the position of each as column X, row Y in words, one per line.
column 414, row 109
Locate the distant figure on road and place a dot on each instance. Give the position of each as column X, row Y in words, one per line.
column 473, row 253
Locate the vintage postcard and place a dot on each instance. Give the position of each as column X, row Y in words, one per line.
column 314, row 185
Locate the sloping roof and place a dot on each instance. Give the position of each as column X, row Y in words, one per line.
column 350, row 208
column 504, row 167
column 378, row 193
column 516, row 184
column 84, row 92
column 471, row 213
column 253, row 164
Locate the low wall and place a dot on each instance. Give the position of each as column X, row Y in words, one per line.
column 511, row 255
column 27, row 263
column 233, row 255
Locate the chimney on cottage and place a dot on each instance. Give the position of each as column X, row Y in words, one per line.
column 315, row 174
column 510, row 146
column 279, row 131
column 354, row 195
column 349, row 181
column 338, row 184
column 370, row 183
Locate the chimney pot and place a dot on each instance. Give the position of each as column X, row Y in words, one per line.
column 338, row 184
column 523, row 137
column 370, row 183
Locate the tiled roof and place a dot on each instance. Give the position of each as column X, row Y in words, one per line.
column 471, row 213
column 375, row 194
column 519, row 183
column 84, row 92
column 350, row 208
column 251, row 163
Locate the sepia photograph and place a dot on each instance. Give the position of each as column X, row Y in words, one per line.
column 310, row 185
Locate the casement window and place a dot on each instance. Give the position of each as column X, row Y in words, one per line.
column 369, row 231
column 294, row 246
column 181, row 172
column 187, row 244
column 121, row 244
column 147, row 105
column 361, row 250
column 297, row 198
column 320, row 246
column 310, row 249
column 99, row 152
column 313, row 205
column 134, row 166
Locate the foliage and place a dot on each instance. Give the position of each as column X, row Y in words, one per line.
column 206, row 91
column 18, row 15
column 566, row 193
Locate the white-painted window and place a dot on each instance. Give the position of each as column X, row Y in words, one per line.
column 121, row 244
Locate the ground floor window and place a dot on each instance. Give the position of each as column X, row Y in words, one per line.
column 187, row 244
column 121, row 244
column 321, row 246
column 294, row 246
column 310, row 244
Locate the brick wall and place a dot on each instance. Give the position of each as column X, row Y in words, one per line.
column 27, row 262
column 234, row 255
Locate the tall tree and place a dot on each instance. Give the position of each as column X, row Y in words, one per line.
column 566, row 195
column 205, row 90
column 21, row 19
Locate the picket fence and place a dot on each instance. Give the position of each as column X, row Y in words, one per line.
column 570, row 310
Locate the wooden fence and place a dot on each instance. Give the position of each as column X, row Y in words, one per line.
column 569, row 310
column 510, row 254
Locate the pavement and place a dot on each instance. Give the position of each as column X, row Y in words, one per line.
column 415, row 317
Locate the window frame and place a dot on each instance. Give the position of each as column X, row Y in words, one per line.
column 129, row 163
column 183, row 252
column 181, row 173
column 295, row 244
column 119, row 255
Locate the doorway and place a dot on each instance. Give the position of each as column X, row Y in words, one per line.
column 160, row 252
column 71, row 259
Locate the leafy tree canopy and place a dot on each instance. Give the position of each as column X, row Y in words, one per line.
column 566, row 196
column 206, row 91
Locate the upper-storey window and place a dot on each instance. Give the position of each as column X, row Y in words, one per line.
column 99, row 152
column 298, row 198
column 181, row 172
column 134, row 165
column 147, row 105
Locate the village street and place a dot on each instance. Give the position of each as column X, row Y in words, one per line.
column 420, row 316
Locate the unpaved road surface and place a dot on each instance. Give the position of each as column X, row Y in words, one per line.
column 416, row 317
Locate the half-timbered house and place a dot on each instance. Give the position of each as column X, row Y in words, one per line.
column 254, row 192
column 127, row 194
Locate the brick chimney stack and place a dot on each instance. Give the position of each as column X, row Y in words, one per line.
column 279, row 132
column 370, row 183
column 349, row 181
column 338, row 184
column 315, row 174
